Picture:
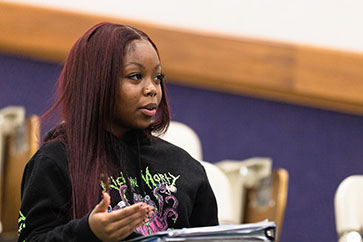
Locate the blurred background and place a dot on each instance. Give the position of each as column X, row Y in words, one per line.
column 279, row 79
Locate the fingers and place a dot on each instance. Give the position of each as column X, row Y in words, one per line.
column 102, row 206
column 136, row 218
column 133, row 218
column 119, row 224
column 97, row 220
column 136, row 208
column 129, row 224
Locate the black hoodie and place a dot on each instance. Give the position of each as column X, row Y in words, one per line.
column 159, row 173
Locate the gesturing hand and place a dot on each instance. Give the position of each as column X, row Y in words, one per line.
column 116, row 225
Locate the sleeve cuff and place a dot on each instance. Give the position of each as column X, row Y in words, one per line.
column 85, row 231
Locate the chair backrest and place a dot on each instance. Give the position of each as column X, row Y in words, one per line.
column 20, row 145
column 348, row 202
column 268, row 200
column 229, row 179
column 185, row 137
column 244, row 174
column 222, row 191
column 10, row 117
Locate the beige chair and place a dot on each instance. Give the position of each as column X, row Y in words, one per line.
column 348, row 203
column 185, row 137
column 20, row 144
column 10, row 117
column 242, row 175
column 233, row 180
column 268, row 200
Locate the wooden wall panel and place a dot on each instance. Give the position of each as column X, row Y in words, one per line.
column 40, row 33
column 330, row 74
column 317, row 77
column 215, row 61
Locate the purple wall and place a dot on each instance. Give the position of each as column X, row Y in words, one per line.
column 319, row 148
column 27, row 83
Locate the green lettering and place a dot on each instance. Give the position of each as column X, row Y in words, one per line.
column 114, row 184
column 148, row 178
column 174, row 178
column 133, row 182
column 156, row 178
column 167, row 178
column 163, row 180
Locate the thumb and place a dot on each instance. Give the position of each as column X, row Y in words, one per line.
column 102, row 206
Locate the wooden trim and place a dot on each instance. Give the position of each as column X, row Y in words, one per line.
column 316, row 77
column 257, row 209
column 281, row 176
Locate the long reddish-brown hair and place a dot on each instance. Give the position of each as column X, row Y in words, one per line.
column 86, row 100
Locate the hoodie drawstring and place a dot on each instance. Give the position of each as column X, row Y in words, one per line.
column 139, row 178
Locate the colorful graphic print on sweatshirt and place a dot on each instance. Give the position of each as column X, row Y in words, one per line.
column 162, row 197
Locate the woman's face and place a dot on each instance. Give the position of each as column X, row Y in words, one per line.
column 139, row 93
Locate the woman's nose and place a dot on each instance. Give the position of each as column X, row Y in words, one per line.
column 150, row 90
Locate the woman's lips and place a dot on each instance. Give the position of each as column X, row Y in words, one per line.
column 148, row 112
column 149, row 109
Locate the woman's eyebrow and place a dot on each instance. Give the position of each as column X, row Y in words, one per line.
column 135, row 63
column 142, row 66
column 157, row 66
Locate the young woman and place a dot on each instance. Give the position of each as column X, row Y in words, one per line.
column 101, row 174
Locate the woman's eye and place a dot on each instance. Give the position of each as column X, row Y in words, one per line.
column 160, row 77
column 135, row 77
